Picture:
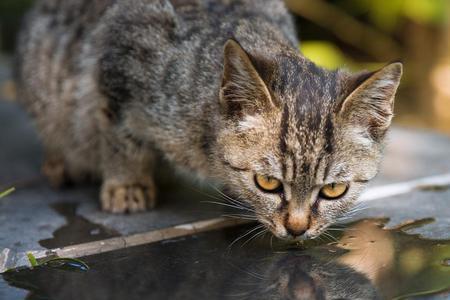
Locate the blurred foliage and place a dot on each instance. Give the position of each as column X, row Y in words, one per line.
column 13, row 7
column 11, row 12
column 328, row 55
column 323, row 53
column 386, row 14
column 366, row 34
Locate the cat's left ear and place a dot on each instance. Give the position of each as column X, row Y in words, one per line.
column 243, row 92
column 371, row 104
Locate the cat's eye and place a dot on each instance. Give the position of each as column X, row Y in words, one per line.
column 268, row 184
column 333, row 191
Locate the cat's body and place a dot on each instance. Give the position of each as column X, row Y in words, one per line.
column 77, row 51
column 113, row 83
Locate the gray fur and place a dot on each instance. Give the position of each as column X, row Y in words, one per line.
column 111, row 83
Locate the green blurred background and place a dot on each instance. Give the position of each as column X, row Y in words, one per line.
column 357, row 34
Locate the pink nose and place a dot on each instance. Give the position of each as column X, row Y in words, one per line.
column 297, row 224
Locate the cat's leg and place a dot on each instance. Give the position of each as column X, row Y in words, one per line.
column 54, row 168
column 128, row 184
column 60, row 172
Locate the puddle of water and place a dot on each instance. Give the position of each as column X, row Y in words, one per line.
column 359, row 261
column 76, row 230
column 398, row 265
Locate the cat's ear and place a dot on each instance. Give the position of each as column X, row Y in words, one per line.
column 370, row 105
column 242, row 92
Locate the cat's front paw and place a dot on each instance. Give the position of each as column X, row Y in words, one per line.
column 55, row 171
column 119, row 197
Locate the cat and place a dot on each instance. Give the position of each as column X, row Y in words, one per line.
column 216, row 87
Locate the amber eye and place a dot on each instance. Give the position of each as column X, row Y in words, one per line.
column 333, row 191
column 268, row 184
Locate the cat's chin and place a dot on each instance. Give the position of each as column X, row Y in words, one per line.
column 294, row 238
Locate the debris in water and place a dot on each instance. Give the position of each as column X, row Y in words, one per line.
column 67, row 264
column 61, row 263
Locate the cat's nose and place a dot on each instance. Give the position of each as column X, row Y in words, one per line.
column 297, row 224
column 295, row 232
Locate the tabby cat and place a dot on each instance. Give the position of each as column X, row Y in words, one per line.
column 218, row 88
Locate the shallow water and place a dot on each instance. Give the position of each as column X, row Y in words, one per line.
column 77, row 229
column 358, row 261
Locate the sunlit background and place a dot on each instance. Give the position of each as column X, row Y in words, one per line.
column 357, row 34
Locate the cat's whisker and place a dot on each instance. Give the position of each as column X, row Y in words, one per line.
column 243, row 207
column 249, row 272
column 243, row 214
column 244, row 235
column 329, row 236
column 252, row 237
column 223, row 204
column 205, row 194
column 340, row 220
column 271, row 242
column 254, row 274
column 233, row 201
column 332, row 237
column 220, row 192
column 320, row 238
column 358, row 209
column 346, row 217
column 240, row 216
column 259, row 233
column 336, row 229
column 235, row 205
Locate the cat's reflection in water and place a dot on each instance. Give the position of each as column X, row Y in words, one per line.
column 367, row 262
column 298, row 277
column 361, row 256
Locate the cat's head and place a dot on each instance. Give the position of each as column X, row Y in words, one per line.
column 297, row 142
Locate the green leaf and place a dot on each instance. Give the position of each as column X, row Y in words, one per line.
column 7, row 192
column 32, row 259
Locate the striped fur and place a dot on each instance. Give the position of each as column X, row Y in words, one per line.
column 113, row 84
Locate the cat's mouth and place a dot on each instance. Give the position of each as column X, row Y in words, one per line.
column 279, row 230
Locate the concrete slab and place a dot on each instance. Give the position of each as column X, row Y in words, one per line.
column 432, row 204
column 413, row 153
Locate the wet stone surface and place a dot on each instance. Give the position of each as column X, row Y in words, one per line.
column 360, row 261
column 76, row 230
column 417, row 205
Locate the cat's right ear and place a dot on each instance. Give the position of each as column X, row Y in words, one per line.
column 370, row 105
column 242, row 92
